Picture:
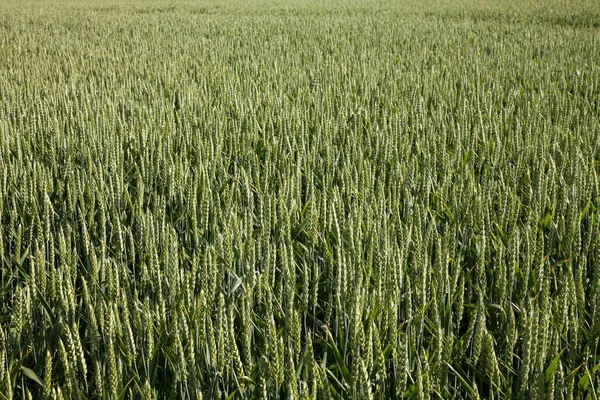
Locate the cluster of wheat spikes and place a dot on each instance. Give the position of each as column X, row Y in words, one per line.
column 305, row 201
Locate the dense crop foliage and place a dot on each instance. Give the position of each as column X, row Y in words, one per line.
column 300, row 200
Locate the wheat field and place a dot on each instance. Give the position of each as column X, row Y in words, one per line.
column 268, row 199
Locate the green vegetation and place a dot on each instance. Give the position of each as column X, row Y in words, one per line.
column 305, row 200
